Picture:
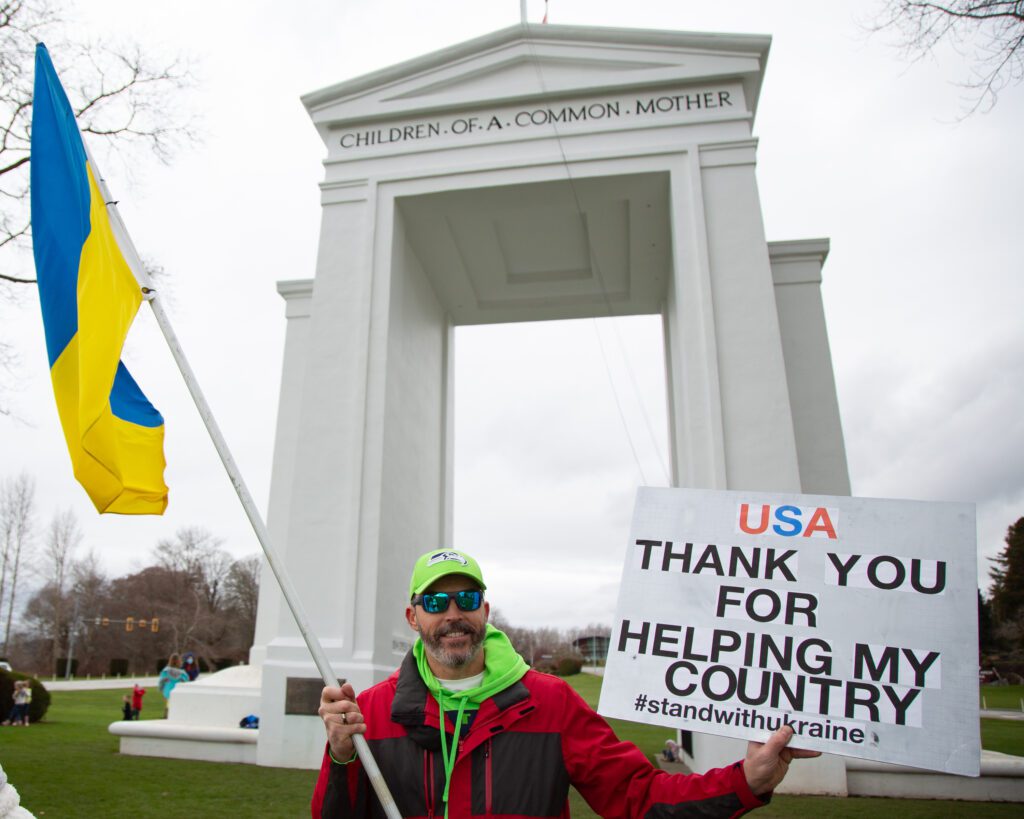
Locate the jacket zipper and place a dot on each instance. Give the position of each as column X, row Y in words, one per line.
column 487, row 777
column 428, row 782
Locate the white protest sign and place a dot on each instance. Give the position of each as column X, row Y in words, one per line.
column 853, row 619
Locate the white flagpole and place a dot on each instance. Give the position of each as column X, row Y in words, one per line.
column 291, row 597
column 522, row 12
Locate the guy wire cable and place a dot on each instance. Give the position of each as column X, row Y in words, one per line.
column 596, row 266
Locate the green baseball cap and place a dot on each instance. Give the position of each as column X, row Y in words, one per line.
column 439, row 563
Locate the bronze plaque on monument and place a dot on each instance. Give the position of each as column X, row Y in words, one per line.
column 302, row 695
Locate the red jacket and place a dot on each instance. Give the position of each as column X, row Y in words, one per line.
column 525, row 747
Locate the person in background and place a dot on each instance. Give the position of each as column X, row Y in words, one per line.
column 138, row 692
column 170, row 676
column 126, row 708
column 191, row 666
column 671, row 752
column 22, row 700
column 26, row 700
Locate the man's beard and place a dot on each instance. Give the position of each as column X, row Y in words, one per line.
column 453, row 658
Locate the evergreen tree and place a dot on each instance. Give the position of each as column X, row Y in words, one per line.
column 986, row 628
column 1007, row 590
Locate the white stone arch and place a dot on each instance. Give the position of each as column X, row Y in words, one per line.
column 650, row 174
column 363, row 463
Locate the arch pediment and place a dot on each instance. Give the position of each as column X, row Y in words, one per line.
column 529, row 62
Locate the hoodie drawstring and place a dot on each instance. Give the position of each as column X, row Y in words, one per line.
column 449, row 759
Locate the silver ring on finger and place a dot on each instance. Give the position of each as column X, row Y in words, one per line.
column 344, row 719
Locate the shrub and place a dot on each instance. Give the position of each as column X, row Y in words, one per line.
column 567, row 666
column 40, row 696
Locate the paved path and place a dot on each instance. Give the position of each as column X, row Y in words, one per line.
column 991, row 714
column 95, row 685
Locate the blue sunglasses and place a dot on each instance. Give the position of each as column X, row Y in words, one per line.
column 437, row 602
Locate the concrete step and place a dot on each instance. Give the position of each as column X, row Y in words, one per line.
column 160, row 737
column 1001, row 780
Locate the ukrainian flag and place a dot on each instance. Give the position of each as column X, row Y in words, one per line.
column 89, row 299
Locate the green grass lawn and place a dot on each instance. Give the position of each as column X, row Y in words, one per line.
column 68, row 766
column 1003, row 735
column 1002, row 697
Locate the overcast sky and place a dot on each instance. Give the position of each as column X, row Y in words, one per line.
column 922, row 289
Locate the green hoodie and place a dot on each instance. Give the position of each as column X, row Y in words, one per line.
column 502, row 667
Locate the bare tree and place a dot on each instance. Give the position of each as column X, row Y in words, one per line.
column 8, row 370
column 120, row 96
column 151, row 592
column 62, row 538
column 589, row 630
column 17, row 500
column 168, row 593
column 196, row 553
column 123, row 98
column 988, row 33
column 199, row 569
column 538, row 646
column 87, row 590
column 242, row 593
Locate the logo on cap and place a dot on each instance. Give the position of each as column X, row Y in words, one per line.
column 442, row 556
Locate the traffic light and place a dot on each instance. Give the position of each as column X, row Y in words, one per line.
column 154, row 624
column 129, row 624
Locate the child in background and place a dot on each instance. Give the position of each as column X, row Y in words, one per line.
column 671, row 752
column 138, row 692
column 22, row 700
column 171, row 675
column 190, row 666
column 127, row 707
